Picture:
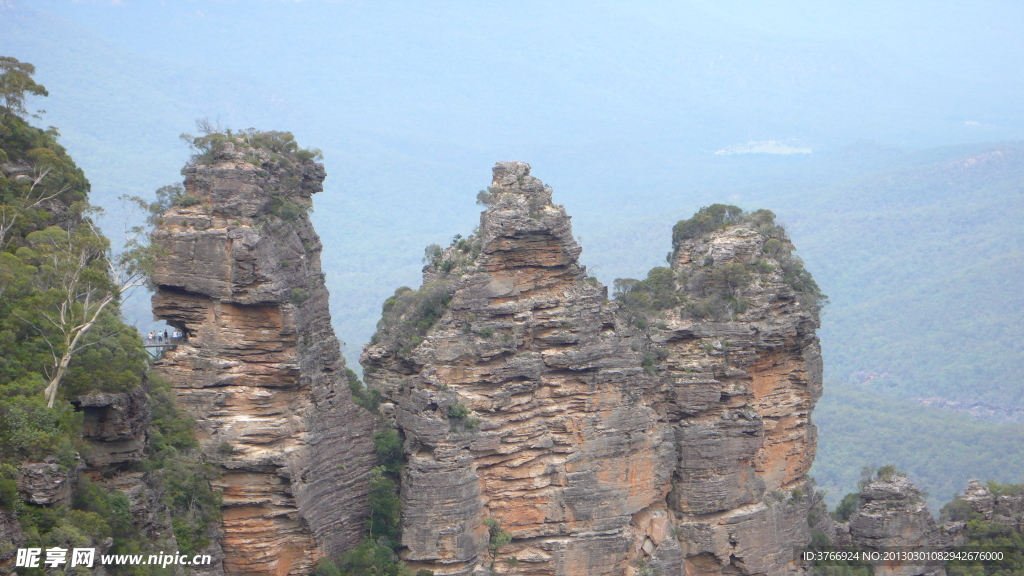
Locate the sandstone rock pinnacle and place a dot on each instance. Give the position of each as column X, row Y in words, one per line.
column 261, row 370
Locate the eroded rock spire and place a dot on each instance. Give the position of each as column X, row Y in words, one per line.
column 261, row 370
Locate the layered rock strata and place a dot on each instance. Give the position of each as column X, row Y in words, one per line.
column 892, row 515
column 114, row 426
column 261, row 370
column 603, row 444
column 47, row 483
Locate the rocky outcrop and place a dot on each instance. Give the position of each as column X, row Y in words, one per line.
column 11, row 538
column 114, row 426
column 894, row 515
column 261, row 370
column 606, row 439
column 47, row 483
column 1005, row 509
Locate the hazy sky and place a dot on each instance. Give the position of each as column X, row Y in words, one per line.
column 621, row 106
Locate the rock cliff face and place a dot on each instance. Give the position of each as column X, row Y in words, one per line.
column 603, row 439
column 262, row 371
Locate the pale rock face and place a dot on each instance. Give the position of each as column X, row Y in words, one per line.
column 262, row 371
column 597, row 459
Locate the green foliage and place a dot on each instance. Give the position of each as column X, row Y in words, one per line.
column 376, row 554
column 959, row 510
column 258, row 146
column 173, row 453
column 385, row 506
column 731, row 276
column 459, row 256
column 17, row 85
column 58, row 318
column 29, row 431
column 187, row 200
column 716, row 307
column 992, row 536
column 44, row 177
column 96, row 514
column 53, row 272
column 458, row 411
column 888, row 472
column 369, row 398
column 498, row 539
column 369, row 558
column 60, row 290
column 170, row 430
column 385, row 503
column 719, row 287
column 115, row 364
column 288, row 209
column 656, row 292
column 712, row 291
column 298, row 296
column 998, row 489
column 649, row 363
column 194, row 505
column 307, row 155
column 8, row 487
column 388, row 445
column 847, row 506
column 409, row 314
column 706, row 220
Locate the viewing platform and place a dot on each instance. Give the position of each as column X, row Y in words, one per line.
column 157, row 345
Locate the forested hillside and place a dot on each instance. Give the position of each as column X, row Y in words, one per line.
column 84, row 434
column 924, row 267
column 940, row 451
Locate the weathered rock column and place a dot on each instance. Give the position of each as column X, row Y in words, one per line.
column 261, row 370
column 521, row 404
column 741, row 374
